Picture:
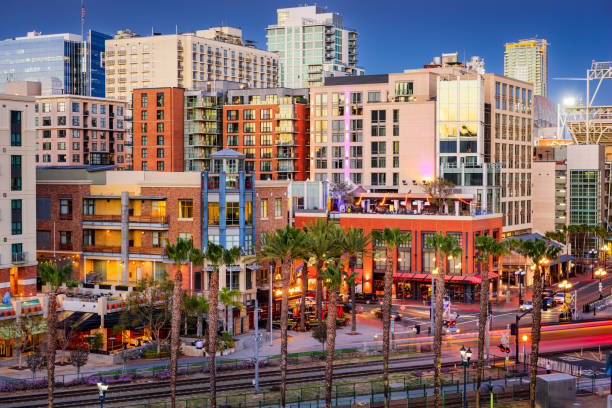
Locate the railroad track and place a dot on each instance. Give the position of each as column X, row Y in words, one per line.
column 155, row 390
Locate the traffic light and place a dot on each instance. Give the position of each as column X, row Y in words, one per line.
column 501, row 348
column 513, row 329
column 507, row 350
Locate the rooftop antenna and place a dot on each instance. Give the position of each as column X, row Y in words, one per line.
column 82, row 19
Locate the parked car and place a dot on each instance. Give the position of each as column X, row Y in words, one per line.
column 548, row 302
column 365, row 298
column 559, row 298
column 527, row 305
column 547, row 293
column 394, row 314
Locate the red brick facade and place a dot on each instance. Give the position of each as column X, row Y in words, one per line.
column 158, row 123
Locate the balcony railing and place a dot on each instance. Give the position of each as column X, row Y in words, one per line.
column 152, row 219
column 65, row 247
column 18, row 257
column 102, row 217
column 117, row 250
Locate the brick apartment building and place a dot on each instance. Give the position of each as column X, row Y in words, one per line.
column 158, row 126
column 271, row 128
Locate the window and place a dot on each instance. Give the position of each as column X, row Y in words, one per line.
column 159, row 239
column 378, row 179
column 144, row 166
column 264, row 208
column 428, row 253
column 160, row 99
column 160, row 126
column 61, row 106
column 160, row 153
column 232, row 115
column 17, row 252
column 278, row 207
column 65, row 238
column 143, row 153
column 373, row 96
column 61, row 145
column 160, row 114
column 248, row 114
column 160, row 140
column 75, row 106
column 232, row 140
column 213, row 213
column 143, row 115
column 265, row 126
column 185, row 235
column 16, row 217
column 185, row 208
column 16, row 128
column 232, row 213
column 144, row 100
column 404, row 91
column 232, row 128
column 249, row 127
column 249, row 140
column 143, row 140
column 65, row 206
column 266, row 140
column 16, row 173
column 160, row 166
column 143, row 127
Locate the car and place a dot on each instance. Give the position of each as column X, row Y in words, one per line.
column 548, row 302
column 527, row 305
column 559, row 298
column 366, row 298
column 394, row 314
column 547, row 293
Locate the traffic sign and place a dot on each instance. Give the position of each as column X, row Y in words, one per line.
column 504, row 339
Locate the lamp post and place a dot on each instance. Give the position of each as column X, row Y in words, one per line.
column 270, row 300
column 519, row 276
column 466, row 355
column 592, row 254
column 524, row 338
column 600, row 273
column 565, row 285
column 433, row 291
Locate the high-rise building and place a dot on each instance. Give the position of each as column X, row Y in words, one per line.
column 270, row 127
column 18, row 204
column 64, row 63
column 312, row 44
column 79, row 130
column 186, row 60
column 527, row 60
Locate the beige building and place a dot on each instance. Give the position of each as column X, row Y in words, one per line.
column 18, row 202
column 549, row 195
column 188, row 60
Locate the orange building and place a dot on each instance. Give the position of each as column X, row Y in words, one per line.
column 413, row 263
column 271, row 128
column 158, row 125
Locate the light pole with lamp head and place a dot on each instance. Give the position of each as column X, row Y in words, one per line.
column 592, row 254
column 433, row 291
column 524, row 338
column 565, row 285
column 271, row 299
column 600, row 273
column 519, row 276
column 466, row 355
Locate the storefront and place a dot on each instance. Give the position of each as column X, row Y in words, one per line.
column 460, row 288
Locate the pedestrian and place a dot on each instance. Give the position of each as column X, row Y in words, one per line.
column 548, row 368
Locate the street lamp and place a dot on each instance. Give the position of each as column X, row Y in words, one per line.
column 466, row 355
column 565, row 285
column 524, row 338
column 519, row 276
column 102, row 387
column 600, row 273
column 433, row 291
column 592, row 254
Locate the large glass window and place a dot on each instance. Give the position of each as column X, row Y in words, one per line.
column 185, row 208
column 232, row 213
column 213, row 213
column 428, row 256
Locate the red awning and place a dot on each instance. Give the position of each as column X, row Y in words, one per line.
column 426, row 277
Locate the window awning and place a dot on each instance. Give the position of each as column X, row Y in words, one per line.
column 426, row 277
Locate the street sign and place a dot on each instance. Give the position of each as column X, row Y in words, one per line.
column 504, row 339
column 564, row 308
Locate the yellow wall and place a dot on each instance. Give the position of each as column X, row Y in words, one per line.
column 115, row 189
column 136, row 205
column 108, row 238
column 136, row 236
column 108, row 207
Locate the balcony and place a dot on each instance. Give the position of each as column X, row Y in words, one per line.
column 65, row 216
column 136, row 221
column 65, row 247
column 18, row 257
column 101, row 249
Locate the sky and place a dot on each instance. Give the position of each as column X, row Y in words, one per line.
column 393, row 34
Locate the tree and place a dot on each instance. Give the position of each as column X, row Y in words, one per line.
column 392, row 238
column 148, row 305
column 227, row 298
column 19, row 332
column 323, row 245
column 340, row 191
column 215, row 255
column 65, row 337
column 283, row 246
column 445, row 246
column 35, row 361
column 53, row 277
column 355, row 244
column 78, row 358
column 179, row 254
column 537, row 250
column 486, row 248
column 319, row 333
column 195, row 305
column 438, row 192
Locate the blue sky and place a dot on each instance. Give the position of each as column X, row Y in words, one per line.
column 394, row 34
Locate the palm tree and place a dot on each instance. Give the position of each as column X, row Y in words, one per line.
column 284, row 246
column 355, row 244
column 195, row 305
column 227, row 297
column 392, row 238
column 486, row 247
column 332, row 277
column 179, row 253
column 323, row 247
column 537, row 250
column 445, row 246
column 215, row 255
column 54, row 277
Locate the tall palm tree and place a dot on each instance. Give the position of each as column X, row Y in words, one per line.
column 179, row 254
column 227, row 297
column 54, row 277
column 332, row 278
column 445, row 246
column 216, row 256
column 537, row 250
column 195, row 305
column 355, row 244
column 486, row 247
column 392, row 238
column 324, row 246
column 284, row 246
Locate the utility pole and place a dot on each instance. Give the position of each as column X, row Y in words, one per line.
column 256, row 381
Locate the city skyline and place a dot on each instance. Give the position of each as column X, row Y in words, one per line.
column 571, row 51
